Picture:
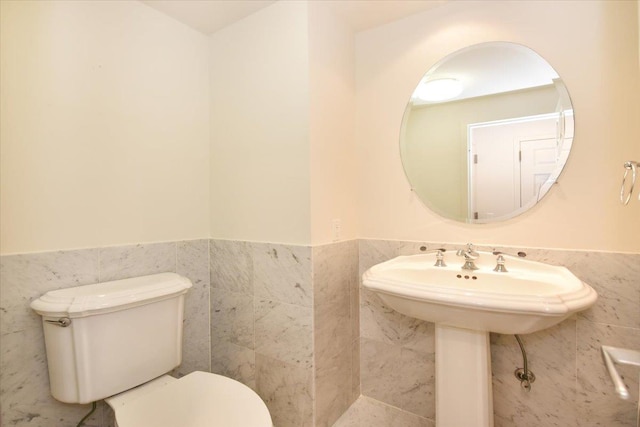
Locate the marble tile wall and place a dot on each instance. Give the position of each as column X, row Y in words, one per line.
column 262, row 323
column 335, row 284
column 283, row 322
column 572, row 387
column 292, row 323
column 368, row 412
column 24, row 383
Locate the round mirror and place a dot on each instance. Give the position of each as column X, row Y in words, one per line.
column 486, row 133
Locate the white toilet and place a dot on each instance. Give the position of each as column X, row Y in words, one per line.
column 117, row 340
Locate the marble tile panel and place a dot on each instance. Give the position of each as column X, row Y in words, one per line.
column 334, row 273
column 334, row 270
column 287, row 391
column 23, row 278
column 551, row 355
column 24, row 385
column 284, row 332
column 24, row 378
column 53, row 413
column 598, row 405
column 234, row 361
column 232, row 318
column 382, row 323
column 355, row 370
column 354, row 307
column 333, row 346
column 332, row 335
column 372, row 252
column 368, row 412
column 193, row 263
column 283, row 273
column 398, row 376
column 332, row 387
column 194, row 352
column 122, row 262
column 613, row 275
column 231, row 265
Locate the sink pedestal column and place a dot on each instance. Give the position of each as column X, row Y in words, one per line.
column 463, row 378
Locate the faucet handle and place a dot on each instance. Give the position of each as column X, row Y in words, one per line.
column 440, row 259
column 500, row 268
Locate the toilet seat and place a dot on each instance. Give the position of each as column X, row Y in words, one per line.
column 199, row 399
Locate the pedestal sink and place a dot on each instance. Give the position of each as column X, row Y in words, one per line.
column 465, row 306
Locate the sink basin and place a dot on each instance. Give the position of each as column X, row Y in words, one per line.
column 530, row 297
column 466, row 305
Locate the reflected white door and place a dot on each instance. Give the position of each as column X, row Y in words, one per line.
column 493, row 173
column 511, row 164
column 537, row 163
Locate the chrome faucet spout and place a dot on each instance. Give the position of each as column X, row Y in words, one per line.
column 467, row 255
column 470, row 255
column 469, row 265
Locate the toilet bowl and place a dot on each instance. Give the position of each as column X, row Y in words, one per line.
column 199, row 399
column 118, row 340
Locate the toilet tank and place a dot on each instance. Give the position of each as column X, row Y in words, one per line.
column 121, row 334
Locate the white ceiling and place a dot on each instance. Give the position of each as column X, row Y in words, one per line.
column 491, row 68
column 209, row 16
column 476, row 69
column 365, row 14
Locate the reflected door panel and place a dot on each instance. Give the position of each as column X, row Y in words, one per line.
column 537, row 163
column 511, row 163
column 493, row 173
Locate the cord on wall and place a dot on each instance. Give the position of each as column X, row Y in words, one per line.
column 93, row 408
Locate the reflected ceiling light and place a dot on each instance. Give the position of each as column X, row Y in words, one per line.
column 438, row 90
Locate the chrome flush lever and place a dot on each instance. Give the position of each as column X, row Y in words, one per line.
column 62, row 322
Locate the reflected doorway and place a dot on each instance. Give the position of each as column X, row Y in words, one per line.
column 512, row 163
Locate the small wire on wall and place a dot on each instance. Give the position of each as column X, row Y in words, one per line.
column 629, row 182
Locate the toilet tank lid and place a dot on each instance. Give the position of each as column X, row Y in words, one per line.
column 87, row 300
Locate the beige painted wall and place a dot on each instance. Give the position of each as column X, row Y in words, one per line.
column 104, row 126
column 106, row 115
column 260, row 178
column 331, row 131
column 282, row 120
column 592, row 45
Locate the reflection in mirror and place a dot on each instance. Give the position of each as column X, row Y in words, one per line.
column 486, row 133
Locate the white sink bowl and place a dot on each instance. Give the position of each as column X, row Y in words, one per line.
column 530, row 297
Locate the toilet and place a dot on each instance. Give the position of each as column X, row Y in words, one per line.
column 118, row 340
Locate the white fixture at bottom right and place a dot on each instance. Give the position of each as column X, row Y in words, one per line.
column 466, row 300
